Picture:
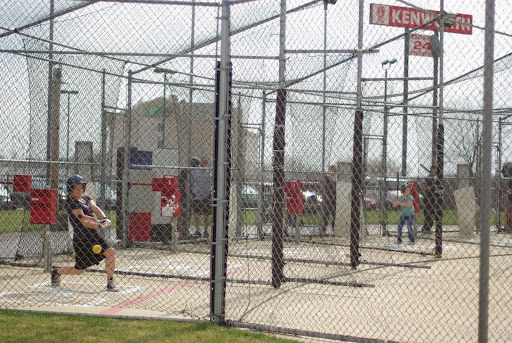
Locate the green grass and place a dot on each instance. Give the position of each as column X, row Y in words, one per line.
column 450, row 217
column 30, row 327
column 13, row 220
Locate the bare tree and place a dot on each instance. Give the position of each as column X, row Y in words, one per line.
column 374, row 167
column 464, row 144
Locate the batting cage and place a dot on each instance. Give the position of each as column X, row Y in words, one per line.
column 329, row 169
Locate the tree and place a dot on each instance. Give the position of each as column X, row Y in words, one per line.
column 463, row 147
column 374, row 168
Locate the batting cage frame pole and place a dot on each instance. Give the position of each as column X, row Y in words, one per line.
column 126, row 164
column 221, row 167
column 103, row 158
column 435, row 90
column 438, row 202
column 485, row 199
column 261, row 195
column 278, row 163
column 357, row 170
column 405, row 96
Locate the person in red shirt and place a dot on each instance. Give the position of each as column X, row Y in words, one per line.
column 294, row 204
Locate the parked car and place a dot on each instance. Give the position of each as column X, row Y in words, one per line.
column 6, row 203
column 312, row 201
column 249, row 197
column 370, row 201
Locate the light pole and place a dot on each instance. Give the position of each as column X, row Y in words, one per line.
column 165, row 72
column 326, row 3
column 385, row 65
column 68, row 93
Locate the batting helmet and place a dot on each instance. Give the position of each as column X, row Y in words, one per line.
column 75, row 180
column 506, row 170
column 194, row 162
column 403, row 187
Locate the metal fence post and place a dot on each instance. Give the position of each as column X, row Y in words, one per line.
column 485, row 202
column 219, row 241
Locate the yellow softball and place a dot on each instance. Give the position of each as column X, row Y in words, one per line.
column 96, row 249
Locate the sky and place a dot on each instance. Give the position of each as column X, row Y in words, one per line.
column 166, row 29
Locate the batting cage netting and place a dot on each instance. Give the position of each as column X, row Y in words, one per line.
column 330, row 169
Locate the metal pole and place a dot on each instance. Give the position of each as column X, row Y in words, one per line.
column 54, row 82
column 434, row 111
column 261, row 197
column 68, row 93
column 50, row 86
column 324, row 86
column 357, row 177
column 239, row 165
column 278, row 159
column 220, row 204
column 498, row 173
column 438, row 207
column 67, row 140
column 478, row 156
column 406, row 93
column 163, row 112
column 485, row 200
column 383, row 186
column 126, row 164
column 103, row 159
column 188, row 200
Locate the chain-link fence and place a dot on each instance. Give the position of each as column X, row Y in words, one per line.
column 313, row 168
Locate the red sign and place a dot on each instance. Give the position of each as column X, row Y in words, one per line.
column 22, row 183
column 170, row 204
column 167, row 183
column 419, row 45
column 294, row 197
column 411, row 18
column 43, row 206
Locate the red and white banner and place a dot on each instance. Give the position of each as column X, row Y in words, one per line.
column 419, row 45
column 411, row 17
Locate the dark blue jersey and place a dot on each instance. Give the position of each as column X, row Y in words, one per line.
column 78, row 228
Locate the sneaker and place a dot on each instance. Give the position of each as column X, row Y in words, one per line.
column 411, row 243
column 205, row 233
column 111, row 286
column 398, row 242
column 55, row 278
column 197, row 234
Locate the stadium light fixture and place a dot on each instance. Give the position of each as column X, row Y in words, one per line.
column 165, row 72
column 386, row 64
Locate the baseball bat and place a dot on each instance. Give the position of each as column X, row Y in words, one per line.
column 103, row 222
column 397, row 184
column 80, row 216
column 427, row 169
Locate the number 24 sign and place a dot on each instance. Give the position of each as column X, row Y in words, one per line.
column 420, row 45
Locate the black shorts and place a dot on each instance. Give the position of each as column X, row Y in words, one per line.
column 201, row 206
column 84, row 256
